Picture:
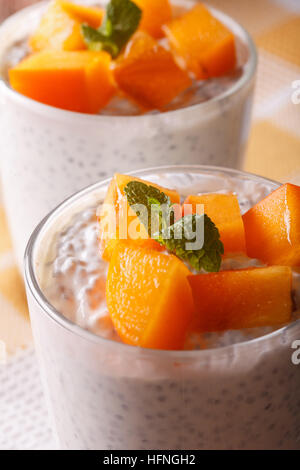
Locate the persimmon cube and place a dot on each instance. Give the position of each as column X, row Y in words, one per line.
column 59, row 28
column 116, row 201
column 76, row 81
column 109, row 246
column 148, row 74
column 243, row 298
column 224, row 211
column 155, row 13
column 206, row 45
column 272, row 227
column 149, row 298
column 85, row 14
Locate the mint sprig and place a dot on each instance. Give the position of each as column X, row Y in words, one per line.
column 139, row 193
column 121, row 20
column 97, row 41
column 182, row 237
column 208, row 257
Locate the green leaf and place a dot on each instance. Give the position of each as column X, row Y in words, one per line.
column 96, row 41
column 193, row 238
column 121, row 20
column 148, row 196
column 193, row 228
column 125, row 17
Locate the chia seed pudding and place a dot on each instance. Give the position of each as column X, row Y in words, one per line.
column 54, row 153
column 232, row 390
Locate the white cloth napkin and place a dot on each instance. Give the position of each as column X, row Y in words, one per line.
column 23, row 414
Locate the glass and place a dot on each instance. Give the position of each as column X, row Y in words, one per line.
column 53, row 153
column 107, row 395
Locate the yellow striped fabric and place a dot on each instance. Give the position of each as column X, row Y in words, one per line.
column 274, row 145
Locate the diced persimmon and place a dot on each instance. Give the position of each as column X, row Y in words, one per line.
column 118, row 183
column 272, row 227
column 116, row 201
column 93, row 16
column 206, row 45
column 224, row 211
column 155, row 13
column 149, row 298
column 110, row 246
column 148, row 74
column 76, row 81
column 59, row 28
column 243, row 298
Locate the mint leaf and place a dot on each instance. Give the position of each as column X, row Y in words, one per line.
column 123, row 16
column 138, row 192
column 151, row 198
column 121, row 20
column 96, row 41
column 181, row 237
column 208, row 256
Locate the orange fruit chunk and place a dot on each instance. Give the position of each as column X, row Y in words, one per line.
column 76, row 81
column 110, row 246
column 272, row 227
column 224, row 211
column 243, row 298
column 85, row 14
column 206, row 46
column 155, row 13
column 149, row 298
column 59, row 28
column 148, row 74
column 116, row 200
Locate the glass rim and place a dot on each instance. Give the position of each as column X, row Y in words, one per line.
column 49, row 310
column 51, row 111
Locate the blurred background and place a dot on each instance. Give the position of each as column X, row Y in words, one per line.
column 274, row 145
